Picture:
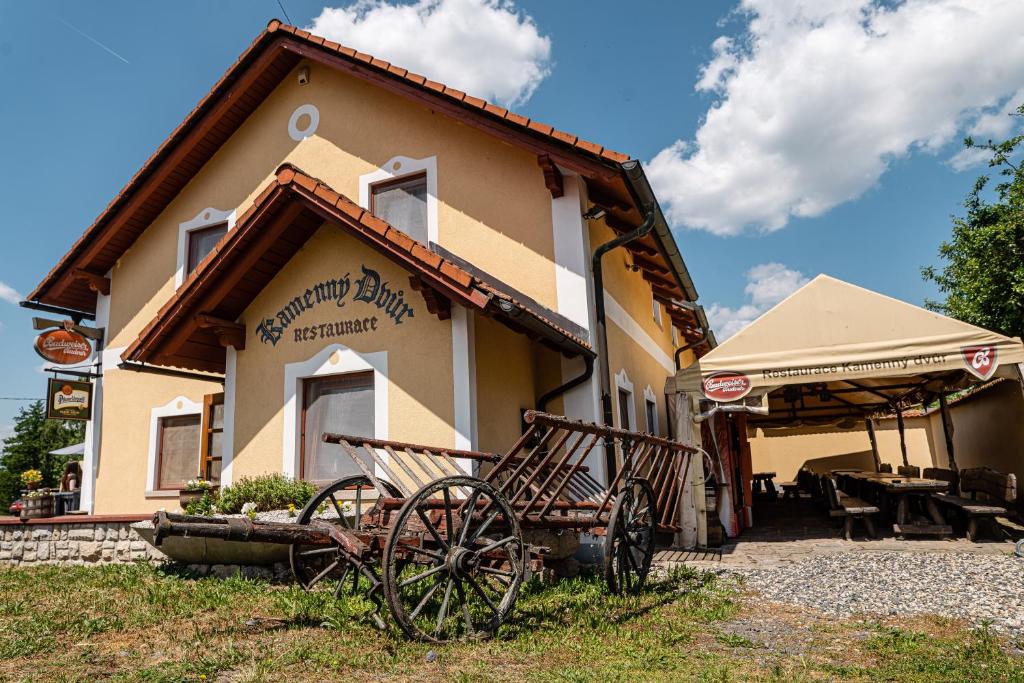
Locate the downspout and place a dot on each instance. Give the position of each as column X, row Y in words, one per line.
column 588, row 371
column 683, row 349
column 650, row 215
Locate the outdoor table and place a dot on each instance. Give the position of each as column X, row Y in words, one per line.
column 763, row 484
column 901, row 490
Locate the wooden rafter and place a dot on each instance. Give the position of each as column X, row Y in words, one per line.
column 97, row 283
column 228, row 332
column 552, row 176
column 437, row 303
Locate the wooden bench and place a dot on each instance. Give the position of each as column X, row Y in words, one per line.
column 849, row 508
column 790, row 489
column 997, row 489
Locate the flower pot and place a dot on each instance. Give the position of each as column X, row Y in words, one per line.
column 186, row 497
column 35, row 507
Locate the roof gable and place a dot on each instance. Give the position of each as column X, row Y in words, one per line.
column 192, row 329
column 255, row 74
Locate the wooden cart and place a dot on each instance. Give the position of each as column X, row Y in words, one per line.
column 445, row 550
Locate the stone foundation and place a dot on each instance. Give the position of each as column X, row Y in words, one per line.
column 89, row 542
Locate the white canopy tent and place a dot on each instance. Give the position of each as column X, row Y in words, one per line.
column 836, row 353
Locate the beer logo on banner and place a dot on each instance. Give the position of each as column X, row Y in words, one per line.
column 63, row 347
column 980, row 360
column 727, row 386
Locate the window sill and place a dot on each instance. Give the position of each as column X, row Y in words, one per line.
column 162, row 494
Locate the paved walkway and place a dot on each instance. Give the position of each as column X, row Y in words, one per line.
column 789, row 532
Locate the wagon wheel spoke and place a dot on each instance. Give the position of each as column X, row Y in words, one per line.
column 359, row 508
column 431, row 528
column 426, row 598
column 448, row 525
column 465, row 609
column 317, row 551
column 480, row 591
column 483, row 526
column 496, row 572
column 419, row 550
column 423, row 575
column 442, row 613
column 331, row 567
column 341, row 514
column 467, row 517
column 497, row 544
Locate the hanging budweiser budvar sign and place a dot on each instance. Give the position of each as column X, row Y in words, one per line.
column 63, row 347
column 726, row 386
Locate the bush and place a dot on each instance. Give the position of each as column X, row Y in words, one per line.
column 267, row 492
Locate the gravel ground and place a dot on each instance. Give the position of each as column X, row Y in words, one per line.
column 976, row 588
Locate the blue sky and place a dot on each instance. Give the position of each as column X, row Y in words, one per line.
column 825, row 150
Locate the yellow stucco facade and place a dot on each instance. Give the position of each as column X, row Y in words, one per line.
column 460, row 383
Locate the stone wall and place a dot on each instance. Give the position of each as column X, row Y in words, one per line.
column 98, row 542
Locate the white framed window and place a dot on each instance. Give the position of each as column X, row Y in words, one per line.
column 625, row 406
column 403, row 192
column 656, row 307
column 333, row 361
column 339, row 404
column 197, row 237
column 651, row 410
column 175, row 445
column 675, row 336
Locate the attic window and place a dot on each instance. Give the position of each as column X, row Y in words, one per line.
column 402, row 203
column 201, row 242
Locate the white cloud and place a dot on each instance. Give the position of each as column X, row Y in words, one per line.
column 994, row 124
column 486, row 48
column 816, row 98
column 767, row 285
column 9, row 294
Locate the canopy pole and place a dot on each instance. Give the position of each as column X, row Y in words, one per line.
column 947, row 430
column 874, row 444
column 903, row 437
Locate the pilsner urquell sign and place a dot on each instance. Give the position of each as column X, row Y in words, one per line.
column 67, row 400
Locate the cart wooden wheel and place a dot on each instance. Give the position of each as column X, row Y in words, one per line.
column 629, row 541
column 454, row 561
column 342, row 502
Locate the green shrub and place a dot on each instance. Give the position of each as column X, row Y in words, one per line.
column 205, row 506
column 267, row 492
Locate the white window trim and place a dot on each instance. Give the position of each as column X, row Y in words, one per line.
column 320, row 365
column 176, row 407
column 657, row 311
column 651, row 397
column 622, row 383
column 675, row 336
column 407, row 166
column 204, row 219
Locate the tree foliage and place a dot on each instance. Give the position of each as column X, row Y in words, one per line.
column 983, row 272
column 29, row 448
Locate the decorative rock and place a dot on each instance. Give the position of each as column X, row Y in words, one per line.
column 89, row 552
column 81, row 534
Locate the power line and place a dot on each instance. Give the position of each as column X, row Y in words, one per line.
column 284, row 11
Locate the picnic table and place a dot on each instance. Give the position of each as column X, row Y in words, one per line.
column 892, row 489
column 763, row 484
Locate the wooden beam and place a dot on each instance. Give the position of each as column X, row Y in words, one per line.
column 601, row 198
column 552, row 176
column 869, row 423
column 903, row 437
column 437, row 303
column 228, row 332
column 97, row 283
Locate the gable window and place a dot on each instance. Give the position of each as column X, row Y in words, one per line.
column 201, row 242
column 339, row 404
column 402, row 203
column 178, row 454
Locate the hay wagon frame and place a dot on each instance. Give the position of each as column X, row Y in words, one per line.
column 446, row 550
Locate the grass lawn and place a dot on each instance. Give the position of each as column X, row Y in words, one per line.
column 136, row 623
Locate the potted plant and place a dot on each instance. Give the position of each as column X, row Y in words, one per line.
column 193, row 490
column 37, row 504
column 31, row 479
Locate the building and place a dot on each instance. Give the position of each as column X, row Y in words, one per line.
column 331, row 243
